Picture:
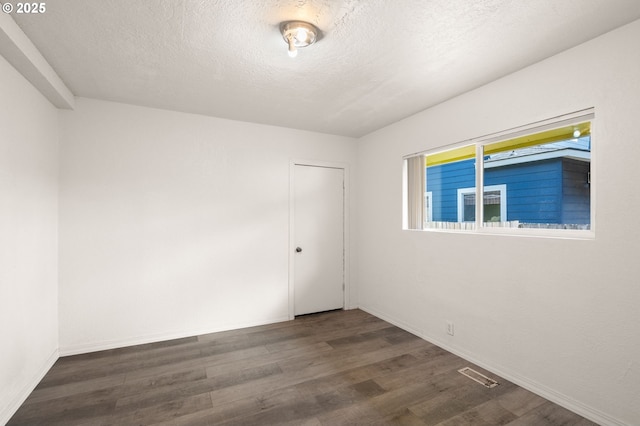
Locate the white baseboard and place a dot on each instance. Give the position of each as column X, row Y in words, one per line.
column 153, row 338
column 27, row 388
column 524, row 382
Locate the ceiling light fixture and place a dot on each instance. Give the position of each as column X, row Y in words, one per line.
column 298, row 34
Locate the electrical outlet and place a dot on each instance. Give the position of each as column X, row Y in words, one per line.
column 450, row 328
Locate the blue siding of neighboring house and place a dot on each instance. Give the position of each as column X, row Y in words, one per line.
column 546, row 191
column 534, row 190
column 576, row 200
column 443, row 181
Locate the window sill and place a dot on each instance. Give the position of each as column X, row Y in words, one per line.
column 567, row 234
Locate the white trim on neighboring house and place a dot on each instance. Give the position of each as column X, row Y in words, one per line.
column 502, row 188
column 566, row 153
column 428, row 206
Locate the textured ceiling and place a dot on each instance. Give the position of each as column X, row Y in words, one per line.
column 378, row 61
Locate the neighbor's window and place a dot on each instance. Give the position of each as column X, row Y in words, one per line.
column 494, row 204
column 533, row 179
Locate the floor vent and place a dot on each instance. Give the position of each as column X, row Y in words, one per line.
column 478, row 377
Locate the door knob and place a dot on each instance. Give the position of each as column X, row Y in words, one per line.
column 298, row 249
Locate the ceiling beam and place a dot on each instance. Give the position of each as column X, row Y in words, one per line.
column 21, row 53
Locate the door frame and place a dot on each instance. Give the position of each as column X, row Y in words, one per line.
column 345, row 239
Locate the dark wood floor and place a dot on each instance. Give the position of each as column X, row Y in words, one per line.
column 341, row 367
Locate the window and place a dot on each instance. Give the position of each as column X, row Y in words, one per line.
column 534, row 178
column 548, row 177
column 445, row 173
column 494, row 204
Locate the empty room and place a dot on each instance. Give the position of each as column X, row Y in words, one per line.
column 243, row 212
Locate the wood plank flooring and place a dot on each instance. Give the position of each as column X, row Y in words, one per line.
column 333, row 368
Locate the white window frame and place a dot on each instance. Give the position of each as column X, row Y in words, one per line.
column 502, row 188
column 586, row 115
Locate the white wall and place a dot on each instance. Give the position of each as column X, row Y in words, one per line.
column 174, row 224
column 558, row 316
column 28, row 238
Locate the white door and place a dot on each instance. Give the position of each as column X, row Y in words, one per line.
column 318, row 238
